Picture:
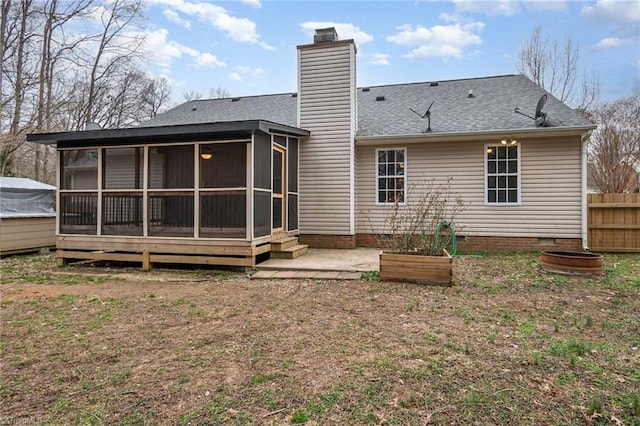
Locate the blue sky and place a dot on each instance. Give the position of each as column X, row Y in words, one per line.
column 249, row 47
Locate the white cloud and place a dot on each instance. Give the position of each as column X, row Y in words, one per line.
column 172, row 16
column 439, row 40
column 163, row 52
column 160, row 51
column 243, row 71
column 241, row 30
column 501, row 7
column 492, row 8
column 207, row 60
column 379, row 58
column 619, row 13
column 553, row 5
column 255, row 3
column 612, row 42
column 345, row 31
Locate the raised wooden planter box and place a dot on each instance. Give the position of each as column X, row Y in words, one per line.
column 434, row 270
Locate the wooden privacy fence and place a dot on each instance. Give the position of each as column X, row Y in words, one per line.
column 614, row 222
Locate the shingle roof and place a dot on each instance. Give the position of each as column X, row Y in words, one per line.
column 490, row 109
column 279, row 108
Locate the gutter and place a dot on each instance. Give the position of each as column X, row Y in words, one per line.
column 584, row 225
column 473, row 135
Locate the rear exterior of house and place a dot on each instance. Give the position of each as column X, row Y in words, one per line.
column 225, row 181
column 206, row 194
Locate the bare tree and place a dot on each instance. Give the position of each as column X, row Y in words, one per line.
column 219, row 93
column 156, row 96
column 192, row 95
column 115, row 49
column 614, row 148
column 18, row 77
column 55, row 77
column 555, row 67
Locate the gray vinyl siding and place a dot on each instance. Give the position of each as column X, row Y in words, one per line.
column 327, row 109
column 550, row 197
column 120, row 172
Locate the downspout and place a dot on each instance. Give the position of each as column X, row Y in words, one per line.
column 585, row 205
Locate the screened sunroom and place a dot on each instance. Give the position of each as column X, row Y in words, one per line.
column 205, row 193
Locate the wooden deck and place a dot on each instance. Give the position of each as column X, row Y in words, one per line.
column 149, row 251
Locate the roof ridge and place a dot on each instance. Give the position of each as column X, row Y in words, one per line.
column 443, row 81
column 240, row 97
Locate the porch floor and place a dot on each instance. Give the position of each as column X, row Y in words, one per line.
column 322, row 264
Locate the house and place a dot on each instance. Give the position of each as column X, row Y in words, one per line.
column 224, row 181
column 27, row 217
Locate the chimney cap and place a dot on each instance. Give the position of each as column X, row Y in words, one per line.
column 325, row 34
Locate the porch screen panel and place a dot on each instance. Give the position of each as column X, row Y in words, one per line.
column 223, row 214
column 227, row 166
column 262, row 161
column 280, row 140
column 78, row 213
column 122, row 168
column 262, row 156
column 171, row 215
column 79, row 169
column 261, row 213
column 171, row 167
column 292, row 185
column 292, row 165
column 292, row 212
column 122, row 214
column 78, row 209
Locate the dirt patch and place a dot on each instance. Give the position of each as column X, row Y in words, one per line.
column 507, row 344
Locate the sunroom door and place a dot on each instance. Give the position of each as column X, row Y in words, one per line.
column 278, row 194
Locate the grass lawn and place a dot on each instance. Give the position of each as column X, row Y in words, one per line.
column 507, row 344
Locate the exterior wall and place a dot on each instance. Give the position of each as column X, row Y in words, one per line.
column 475, row 244
column 328, row 241
column 25, row 234
column 327, row 165
column 550, row 188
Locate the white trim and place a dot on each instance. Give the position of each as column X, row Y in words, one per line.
column 584, row 225
column 196, row 190
column 100, row 184
column 145, row 191
column 479, row 135
column 298, row 80
column 58, row 180
column 406, row 195
column 353, row 123
column 519, row 177
column 249, row 190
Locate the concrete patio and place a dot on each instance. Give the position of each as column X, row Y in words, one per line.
column 322, row 264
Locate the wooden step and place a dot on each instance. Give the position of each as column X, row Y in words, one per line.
column 289, row 252
column 316, row 275
column 284, row 243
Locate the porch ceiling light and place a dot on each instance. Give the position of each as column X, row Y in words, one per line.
column 206, row 154
column 508, row 141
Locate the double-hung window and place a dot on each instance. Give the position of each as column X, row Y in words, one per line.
column 502, row 174
column 391, row 171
